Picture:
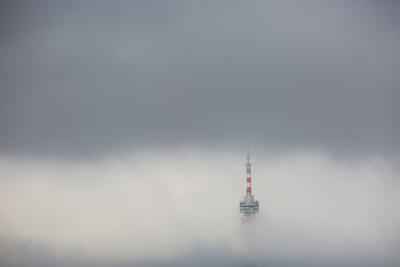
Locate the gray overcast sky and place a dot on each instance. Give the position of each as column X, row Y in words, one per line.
column 94, row 77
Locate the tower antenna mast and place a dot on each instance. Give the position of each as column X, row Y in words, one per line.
column 248, row 206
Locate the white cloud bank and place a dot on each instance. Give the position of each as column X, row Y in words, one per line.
column 162, row 206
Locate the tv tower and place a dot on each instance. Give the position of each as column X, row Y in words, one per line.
column 248, row 206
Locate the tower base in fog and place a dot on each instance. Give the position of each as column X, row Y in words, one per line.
column 248, row 207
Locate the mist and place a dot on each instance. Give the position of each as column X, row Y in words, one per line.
column 156, row 208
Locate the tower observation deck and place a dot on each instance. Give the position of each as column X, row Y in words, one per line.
column 248, row 206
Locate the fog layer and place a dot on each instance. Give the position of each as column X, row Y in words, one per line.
column 182, row 208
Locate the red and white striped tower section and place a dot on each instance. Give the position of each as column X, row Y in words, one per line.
column 248, row 177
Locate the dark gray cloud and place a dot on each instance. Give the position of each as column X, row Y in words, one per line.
column 93, row 77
